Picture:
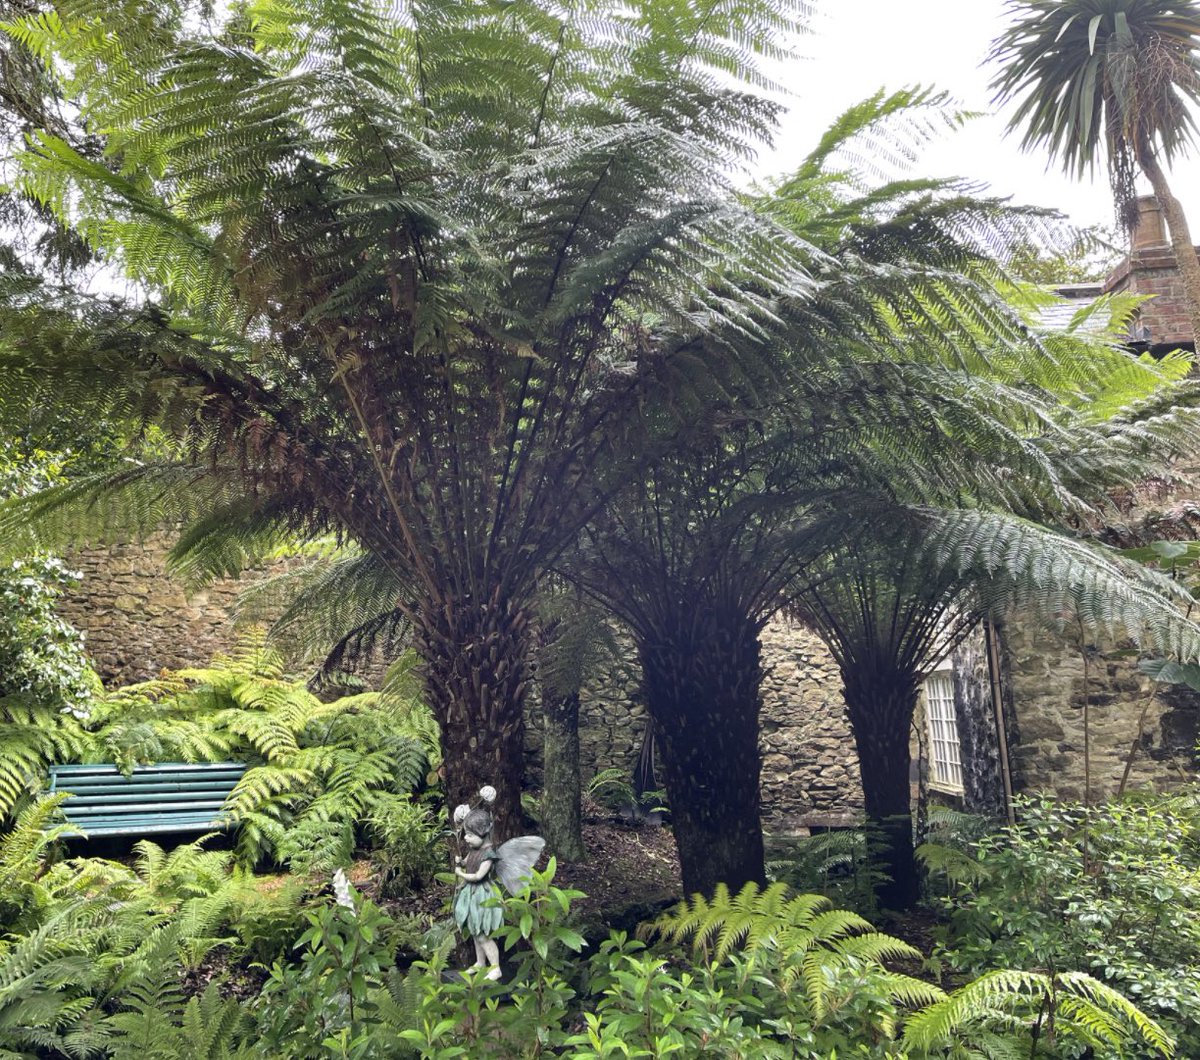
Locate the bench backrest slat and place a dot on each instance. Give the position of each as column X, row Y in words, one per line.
column 164, row 797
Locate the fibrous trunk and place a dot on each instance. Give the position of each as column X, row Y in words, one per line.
column 702, row 681
column 562, row 824
column 881, row 710
column 476, row 678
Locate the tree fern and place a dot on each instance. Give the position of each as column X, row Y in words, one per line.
column 801, row 937
column 1082, row 1008
column 293, row 166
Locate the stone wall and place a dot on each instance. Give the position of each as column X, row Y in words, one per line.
column 1127, row 713
column 137, row 620
column 810, row 767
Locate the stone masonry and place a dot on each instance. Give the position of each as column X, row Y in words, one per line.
column 1128, row 714
column 138, row 621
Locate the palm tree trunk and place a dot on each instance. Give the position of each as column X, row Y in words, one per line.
column 881, row 710
column 562, row 818
column 702, row 681
column 474, row 657
column 1181, row 237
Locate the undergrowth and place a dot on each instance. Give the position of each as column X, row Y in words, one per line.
column 323, row 778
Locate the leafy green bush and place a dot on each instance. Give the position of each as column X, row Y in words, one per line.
column 93, row 967
column 46, row 685
column 333, row 1002
column 323, row 778
column 403, row 836
column 772, row 976
column 1111, row 890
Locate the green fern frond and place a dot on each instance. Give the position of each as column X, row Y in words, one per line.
column 1095, row 1013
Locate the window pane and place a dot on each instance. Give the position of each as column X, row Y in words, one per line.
column 945, row 756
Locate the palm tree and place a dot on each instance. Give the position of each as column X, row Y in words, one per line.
column 1111, row 79
column 396, row 275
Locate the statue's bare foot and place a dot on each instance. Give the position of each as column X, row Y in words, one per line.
column 493, row 974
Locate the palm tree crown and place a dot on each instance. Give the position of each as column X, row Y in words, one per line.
column 1111, row 74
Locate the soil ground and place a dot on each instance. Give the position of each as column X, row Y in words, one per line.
column 631, row 874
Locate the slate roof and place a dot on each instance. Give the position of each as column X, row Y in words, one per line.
column 1075, row 296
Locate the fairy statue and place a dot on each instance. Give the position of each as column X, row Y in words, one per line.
column 475, row 911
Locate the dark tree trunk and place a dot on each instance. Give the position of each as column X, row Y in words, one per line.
column 562, row 820
column 476, row 677
column 881, row 710
column 702, row 683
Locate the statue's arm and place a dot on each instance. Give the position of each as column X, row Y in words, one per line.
column 474, row 877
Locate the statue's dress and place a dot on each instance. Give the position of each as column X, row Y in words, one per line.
column 471, row 913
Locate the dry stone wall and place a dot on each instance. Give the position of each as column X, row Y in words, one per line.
column 137, row 620
column 809, row 766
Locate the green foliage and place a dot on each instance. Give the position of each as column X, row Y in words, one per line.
column 1112, row 891
column 93, row 967
column 323, row 778
column 331, row 1003
column 155, row 1022
column 94, row 954
column 1071, row 1011
column 46, row 684
column 42, row 665
column 403, row 836
column 837, row 864
column 1088, row 258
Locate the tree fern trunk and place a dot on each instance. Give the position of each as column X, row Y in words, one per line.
column 476, row 677
column 881, row 710
column 702, row 683
column 562, row 819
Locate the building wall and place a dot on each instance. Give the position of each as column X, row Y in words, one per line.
column 138, row 621
column 1163, row 319
column 1128, row 713
column 1150, row 269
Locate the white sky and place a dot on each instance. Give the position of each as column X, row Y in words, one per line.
column 859, row 46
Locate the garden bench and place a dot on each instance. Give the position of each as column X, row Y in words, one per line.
column 166, row 797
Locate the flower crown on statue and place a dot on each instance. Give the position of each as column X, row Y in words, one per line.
column 487, row 793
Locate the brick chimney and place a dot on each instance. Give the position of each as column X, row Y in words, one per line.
column 1162, row 322
column 1150, row 230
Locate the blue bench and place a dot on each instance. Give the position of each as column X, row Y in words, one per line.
column 167, row 797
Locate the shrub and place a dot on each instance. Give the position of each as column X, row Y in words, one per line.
column 1111, row 890
column 46, row 685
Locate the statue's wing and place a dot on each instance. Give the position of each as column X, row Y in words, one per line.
column 516, row 858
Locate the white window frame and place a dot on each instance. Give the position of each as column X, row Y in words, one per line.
column 941, row 726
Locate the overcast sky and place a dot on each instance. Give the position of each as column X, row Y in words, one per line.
column 859, row 46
